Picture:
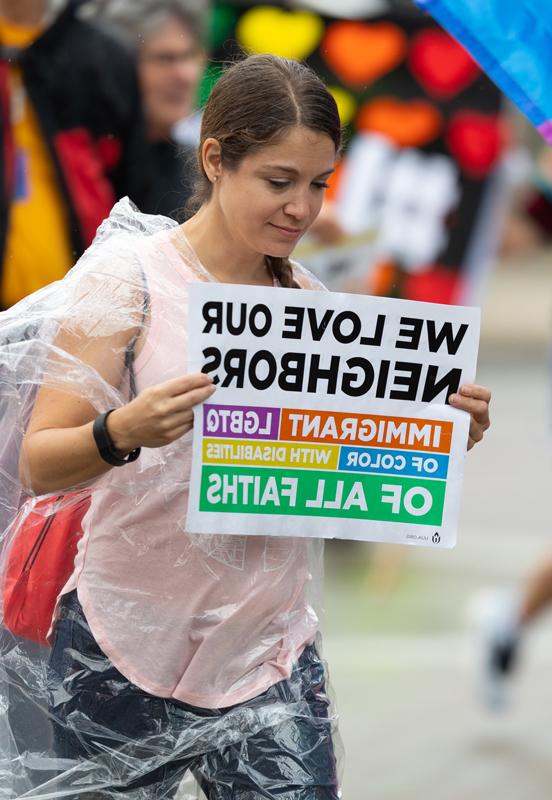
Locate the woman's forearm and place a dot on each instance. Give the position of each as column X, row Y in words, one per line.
column 54, row 459
column 57, row 459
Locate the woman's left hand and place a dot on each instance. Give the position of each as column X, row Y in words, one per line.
column 475, row 400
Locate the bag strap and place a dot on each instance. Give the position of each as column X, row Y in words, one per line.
column 130, row 348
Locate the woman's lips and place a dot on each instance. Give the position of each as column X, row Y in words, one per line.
column 288, row 233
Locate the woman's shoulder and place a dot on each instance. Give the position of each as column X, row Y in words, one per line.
column 125, row 217
column 305, row 278
column 106, row 288
column 127, row 248
column 125, row 232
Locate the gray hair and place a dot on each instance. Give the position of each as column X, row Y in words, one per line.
column 136, row 20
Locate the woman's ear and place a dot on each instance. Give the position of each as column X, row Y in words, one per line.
column 211, row 156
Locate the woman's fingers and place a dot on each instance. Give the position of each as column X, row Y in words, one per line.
column 473, row 392
column 178, row 432
column 195, row 396
column 474, row 399
column 176, row 387
column 476, row 392
column 477, row 409
column 174, row 404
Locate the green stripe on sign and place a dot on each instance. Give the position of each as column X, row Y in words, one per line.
column 317, row 493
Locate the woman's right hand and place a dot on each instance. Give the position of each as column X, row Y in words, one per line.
column 159, row 414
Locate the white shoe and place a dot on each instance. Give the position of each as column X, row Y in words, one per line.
column 501, row 645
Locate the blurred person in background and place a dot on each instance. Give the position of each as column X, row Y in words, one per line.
column 530, row 222
column 167, row 39
column 509, row 616
column 539, row 205
column 72, row 138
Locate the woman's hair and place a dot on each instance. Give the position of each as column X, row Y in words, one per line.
column 255, row 102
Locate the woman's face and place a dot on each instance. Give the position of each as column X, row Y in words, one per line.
column 275, row 193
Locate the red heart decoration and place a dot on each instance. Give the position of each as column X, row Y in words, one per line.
column 359, row 53
column 434, row 285
column 408, row 123
column 476, row 141
column 440, row 64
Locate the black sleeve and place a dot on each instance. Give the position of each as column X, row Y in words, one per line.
column 133, row 174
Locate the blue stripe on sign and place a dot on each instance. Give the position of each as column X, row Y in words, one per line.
column 393, row 462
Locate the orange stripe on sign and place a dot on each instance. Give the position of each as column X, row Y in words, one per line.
column 299, row 424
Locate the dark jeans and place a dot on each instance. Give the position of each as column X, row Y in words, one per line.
column 121, row 741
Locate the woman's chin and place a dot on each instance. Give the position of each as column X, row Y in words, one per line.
column 280, row 251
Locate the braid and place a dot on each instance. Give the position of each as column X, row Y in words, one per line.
column 283, row 271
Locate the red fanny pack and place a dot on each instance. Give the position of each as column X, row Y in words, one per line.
column 34, row 575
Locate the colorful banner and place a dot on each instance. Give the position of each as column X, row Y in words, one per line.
column 417, row 190
column 330, row 410
column 512, row 41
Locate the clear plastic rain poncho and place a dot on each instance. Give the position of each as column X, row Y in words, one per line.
column 175, row 661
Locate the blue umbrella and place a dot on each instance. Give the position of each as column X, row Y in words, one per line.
column 512, row 41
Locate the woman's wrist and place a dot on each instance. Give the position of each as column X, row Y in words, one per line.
column 117, row 428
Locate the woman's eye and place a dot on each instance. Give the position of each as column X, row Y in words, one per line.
column 321, row 185
column 278, row 184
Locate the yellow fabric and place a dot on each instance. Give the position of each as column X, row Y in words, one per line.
column 38, row 247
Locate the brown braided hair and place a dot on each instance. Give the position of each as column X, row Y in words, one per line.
column 256, row 101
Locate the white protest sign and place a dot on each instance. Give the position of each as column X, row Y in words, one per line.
column 330, row 415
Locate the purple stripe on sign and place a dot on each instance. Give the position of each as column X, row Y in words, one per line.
column 545, row 130
column 241, row 422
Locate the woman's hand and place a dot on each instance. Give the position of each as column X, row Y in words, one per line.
column 475, row 400
column 160, row 414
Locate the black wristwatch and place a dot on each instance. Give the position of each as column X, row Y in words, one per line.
column 105, row 446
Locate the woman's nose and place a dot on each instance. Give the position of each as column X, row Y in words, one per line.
column 297, row 207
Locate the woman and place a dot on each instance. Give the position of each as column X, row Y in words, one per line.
column 175, row 652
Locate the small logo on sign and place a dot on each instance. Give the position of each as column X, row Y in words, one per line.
column 435, row 538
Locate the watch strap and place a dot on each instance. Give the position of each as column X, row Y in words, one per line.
column 104, row 443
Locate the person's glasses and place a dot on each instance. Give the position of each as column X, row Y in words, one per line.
column 166, row 59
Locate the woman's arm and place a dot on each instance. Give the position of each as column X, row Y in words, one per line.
column 59, row 450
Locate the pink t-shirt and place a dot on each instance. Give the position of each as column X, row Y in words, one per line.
column 210, row 620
